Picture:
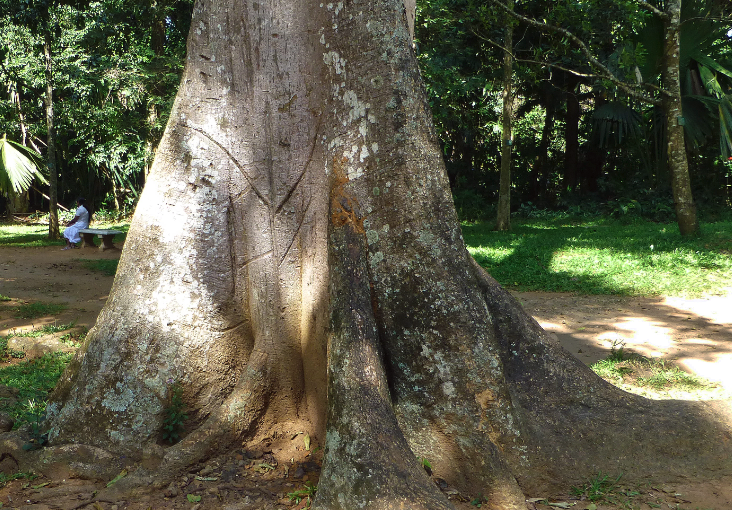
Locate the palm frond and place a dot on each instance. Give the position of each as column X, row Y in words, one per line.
column 19, row 165
column 613, row 122
column 725, row 126
column 699, row 120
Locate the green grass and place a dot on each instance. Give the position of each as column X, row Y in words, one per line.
column 597, row 488
column 652, row 377
column 107, row 267
column 38, row 309
column 34, row 379
column 605, row 257
column 4, row 298
column 48, row 329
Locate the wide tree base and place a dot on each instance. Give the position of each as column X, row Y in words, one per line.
column 241, row 478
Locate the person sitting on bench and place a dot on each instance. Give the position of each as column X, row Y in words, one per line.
column 80, row 222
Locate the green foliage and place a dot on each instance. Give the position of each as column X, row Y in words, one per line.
column 307, row 492
column 38, row 309
column 4, row 298
column 604, row 257
column 174, row 419
column 116, row 69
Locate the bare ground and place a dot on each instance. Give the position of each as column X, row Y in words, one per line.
column 694, row 334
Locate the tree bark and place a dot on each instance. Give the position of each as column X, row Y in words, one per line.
column 503, row 220
column 676, row 148
column 295, row 263
column 53, row 228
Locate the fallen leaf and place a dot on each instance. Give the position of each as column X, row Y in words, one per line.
column 193, row 498
column 207, row 478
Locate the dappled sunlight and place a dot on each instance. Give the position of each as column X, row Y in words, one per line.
column 718, row 368
column 694, row 334
column 717, row 309
column 646, row 337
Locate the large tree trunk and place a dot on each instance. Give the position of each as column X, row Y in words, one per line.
column 296, row 255
column 676, row 150
column 503, row 217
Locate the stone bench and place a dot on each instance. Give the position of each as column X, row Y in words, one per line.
column 87, row 238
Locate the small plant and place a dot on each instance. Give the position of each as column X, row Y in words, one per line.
column 426, row 465
column 4, row 479
column 34, row 414
column 4, row 298
column 307, row 492
column 597, row 488
column 174, row 415
column 38, row 309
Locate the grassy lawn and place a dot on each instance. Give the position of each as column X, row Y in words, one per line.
column 605, row 257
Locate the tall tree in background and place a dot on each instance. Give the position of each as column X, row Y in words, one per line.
column 668, row 95
column 304, row 270
column 53, row 228
column 503, row 220
column 677, row 156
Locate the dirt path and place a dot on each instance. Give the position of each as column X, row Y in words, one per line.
column 695, row 333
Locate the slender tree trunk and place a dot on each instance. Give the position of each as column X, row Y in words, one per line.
column 676, row 149
column 571, row 137
column 503, row 220
column 295, row 255
column 53, row 228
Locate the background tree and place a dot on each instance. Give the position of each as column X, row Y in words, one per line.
column 115, row 77
column 503, row 220
column 298, row 233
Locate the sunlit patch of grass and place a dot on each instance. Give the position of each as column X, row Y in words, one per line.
column 26, row 236
column 605, row 258
column 653, row 378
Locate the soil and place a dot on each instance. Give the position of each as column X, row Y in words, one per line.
column 694, row 334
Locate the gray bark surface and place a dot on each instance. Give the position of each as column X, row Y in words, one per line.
column 676, row 149
column 296, row 264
